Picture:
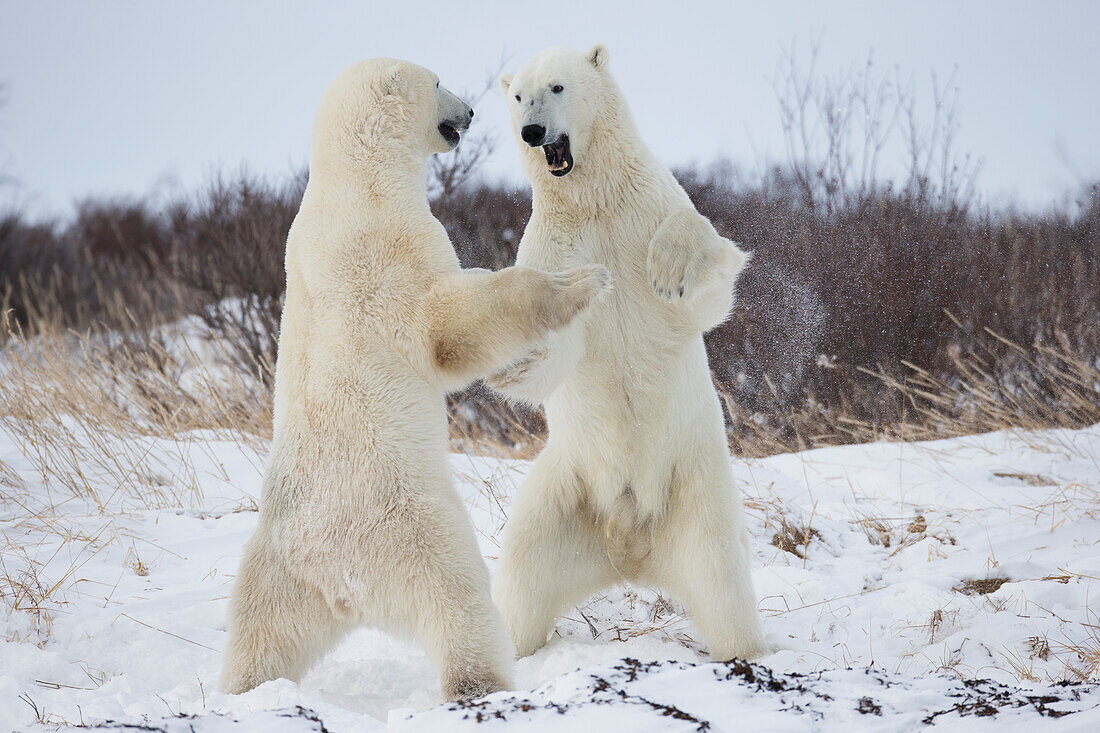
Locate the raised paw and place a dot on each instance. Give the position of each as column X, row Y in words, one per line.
column 576, row 290
column 591, row 279
column 674, row 268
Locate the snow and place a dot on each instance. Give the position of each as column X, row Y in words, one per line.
column 115, row 600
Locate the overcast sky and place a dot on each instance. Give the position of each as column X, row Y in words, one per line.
column 117, row 98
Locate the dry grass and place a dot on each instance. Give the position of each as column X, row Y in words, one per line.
column 156, row 382
column 1082, row 659
column 1079, row 659
column 108, row 421
column 980, row 586
column 484, row 423
column 88, row 411
column 1000, row 385
column 793, row 537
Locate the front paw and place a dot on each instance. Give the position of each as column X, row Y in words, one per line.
column 588, row 281
column 673, row 268
column 578, row 289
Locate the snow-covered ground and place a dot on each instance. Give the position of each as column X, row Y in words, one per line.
column 890, row 576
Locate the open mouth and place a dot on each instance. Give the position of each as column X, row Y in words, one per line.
column 558, row 158
column 449, row 133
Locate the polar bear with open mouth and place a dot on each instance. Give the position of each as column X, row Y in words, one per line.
column 635, row 481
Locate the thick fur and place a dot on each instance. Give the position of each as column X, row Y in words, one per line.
column 635, row 481
column 359, row 520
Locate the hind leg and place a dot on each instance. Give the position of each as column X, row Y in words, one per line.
column 278, row 625
column 701, row 556
column 436, row 589
column 552, row 557
column 461, row 628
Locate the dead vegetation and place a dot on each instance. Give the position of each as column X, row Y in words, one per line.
column 115, row 424
column 794, row 538
column 980, row 586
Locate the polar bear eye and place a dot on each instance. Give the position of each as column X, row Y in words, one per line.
column 518, row 99
column 557, row 89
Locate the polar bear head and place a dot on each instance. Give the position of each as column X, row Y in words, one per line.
column 381, row 113
column 559, row 102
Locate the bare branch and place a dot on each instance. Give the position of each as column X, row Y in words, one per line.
column 836, row 130
column 448, row 173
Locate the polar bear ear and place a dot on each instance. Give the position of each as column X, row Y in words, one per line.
column 598, row 56
column 396, row 79
column 505, row 82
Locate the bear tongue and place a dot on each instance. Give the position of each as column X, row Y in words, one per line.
column 555, row 156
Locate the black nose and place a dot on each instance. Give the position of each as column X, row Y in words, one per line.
column 533, row 134
column 470, row 111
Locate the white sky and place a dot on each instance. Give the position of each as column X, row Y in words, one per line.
column 114, row 98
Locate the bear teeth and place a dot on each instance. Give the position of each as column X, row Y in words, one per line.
column 558, row 160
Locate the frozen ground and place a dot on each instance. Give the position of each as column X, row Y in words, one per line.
column 890, row 576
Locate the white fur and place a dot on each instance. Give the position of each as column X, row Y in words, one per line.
column 635, row 481
column 359, row 520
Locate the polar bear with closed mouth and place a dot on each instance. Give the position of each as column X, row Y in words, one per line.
column 359, row 522
column 635, row 481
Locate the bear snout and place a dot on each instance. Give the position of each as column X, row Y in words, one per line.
column 533, row 134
